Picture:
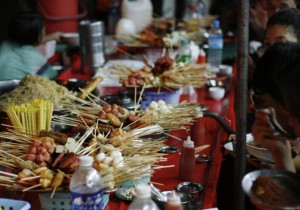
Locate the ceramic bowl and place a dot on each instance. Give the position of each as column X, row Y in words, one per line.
column 216, row 93
column 225, row 69
column 72, row 39
column 258, row 152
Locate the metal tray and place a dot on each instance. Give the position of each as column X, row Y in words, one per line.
column 288, row 180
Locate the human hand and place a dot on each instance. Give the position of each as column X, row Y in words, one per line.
column 265, row 135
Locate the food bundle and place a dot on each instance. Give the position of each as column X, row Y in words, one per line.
column 166, row 72
column 162, row 33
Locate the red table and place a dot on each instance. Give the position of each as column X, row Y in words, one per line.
column 205, row 173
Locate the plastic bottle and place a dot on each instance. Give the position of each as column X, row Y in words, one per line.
column 114, row 15
column 187, row 160
column 173, row 202
column 215, row 39
column 198, row 130
column 184, row 53
column 86, row 187
column 202, row 57
column 143, row 199
column 201, row 8
column 191, row 17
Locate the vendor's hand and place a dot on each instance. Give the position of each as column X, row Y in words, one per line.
column 53, row 36
column 265, row 136
column 264, row 133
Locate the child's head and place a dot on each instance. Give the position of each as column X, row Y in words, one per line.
column 26, row 28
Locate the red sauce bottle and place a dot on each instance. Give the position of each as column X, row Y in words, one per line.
column 173, row 202
column 198, row 130
column 187, row 160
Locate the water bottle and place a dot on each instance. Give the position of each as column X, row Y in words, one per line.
column 113, row 15
column 215, row 39
column 143, row 199
column 86, row 187
column 191, row 17
column 184, row 53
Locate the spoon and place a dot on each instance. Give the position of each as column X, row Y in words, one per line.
column 158, row 193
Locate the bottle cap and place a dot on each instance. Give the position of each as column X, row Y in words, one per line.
column 216, row 23
column 174, row 198
column 188, row 143
column 184, row 41
column 143, row 191
column 86, row 160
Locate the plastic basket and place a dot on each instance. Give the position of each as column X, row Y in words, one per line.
column 60, row 201
column 170, row 97
column 11, row 204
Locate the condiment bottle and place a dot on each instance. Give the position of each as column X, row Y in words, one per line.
column 202, row 57
column 198, row 129
column 173, row 202
column 187, row 160
column 143, row 199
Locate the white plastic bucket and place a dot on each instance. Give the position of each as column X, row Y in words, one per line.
column 138, row 11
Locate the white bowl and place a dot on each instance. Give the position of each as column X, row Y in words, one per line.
column 216, row 93
column 258, row 152
column 225, row 69
column 72, row 39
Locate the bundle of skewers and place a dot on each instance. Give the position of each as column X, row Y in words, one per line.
column 165, row 72
column 44, row 162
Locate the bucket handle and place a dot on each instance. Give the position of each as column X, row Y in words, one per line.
column 59, row 18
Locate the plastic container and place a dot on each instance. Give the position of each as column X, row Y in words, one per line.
column 198, row 130
column 191, row 17
column 174, row 202
column 202, row 57
column 86, row 186
column 215, row 39
column 184, row 53
column 11, row 204
column 187, row 160
column 170, row 97
column 143, row 199
column 139, row 12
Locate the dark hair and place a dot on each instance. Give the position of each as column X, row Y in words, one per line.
column 289, row 17
column 289, row 87
column 277, row 61
column 25, row 28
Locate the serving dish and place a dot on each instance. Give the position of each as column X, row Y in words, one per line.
column 289, row 183
column 120, row 193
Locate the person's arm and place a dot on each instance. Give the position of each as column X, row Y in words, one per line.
column 53, row 36
column 264, row 135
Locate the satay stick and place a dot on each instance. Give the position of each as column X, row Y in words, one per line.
column 52, row 194
column 30, row 178
column 8, row 174
column 161, row 167
column 34, row 186
column 200, row 148
column 156, row 183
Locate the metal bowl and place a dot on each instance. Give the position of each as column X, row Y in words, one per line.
column 290, row 183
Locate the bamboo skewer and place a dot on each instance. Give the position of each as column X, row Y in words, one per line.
column 31, row 187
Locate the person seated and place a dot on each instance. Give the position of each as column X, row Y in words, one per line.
column 283, row 26
column 274, row 82
column 18, row 56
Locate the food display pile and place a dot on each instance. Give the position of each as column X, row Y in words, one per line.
column 37, row 157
